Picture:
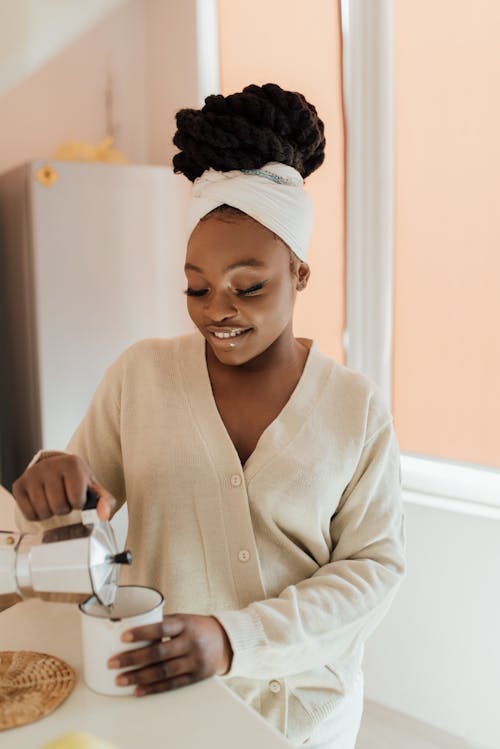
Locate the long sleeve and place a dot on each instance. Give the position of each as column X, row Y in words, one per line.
column 324, row 618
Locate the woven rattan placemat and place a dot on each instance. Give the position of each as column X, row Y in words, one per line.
column 31, row 686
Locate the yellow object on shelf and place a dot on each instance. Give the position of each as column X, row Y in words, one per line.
column 79, row 741
column 75, row 150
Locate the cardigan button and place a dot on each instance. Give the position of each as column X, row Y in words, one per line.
column 244, row 555
column 235, row 480
column 275, row 686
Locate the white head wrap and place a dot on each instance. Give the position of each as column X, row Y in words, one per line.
column 273, row 195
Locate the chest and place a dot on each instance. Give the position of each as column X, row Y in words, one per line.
column 247, row 413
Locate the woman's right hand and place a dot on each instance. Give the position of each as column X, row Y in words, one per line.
column 56, row 485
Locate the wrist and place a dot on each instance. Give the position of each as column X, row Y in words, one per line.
column 226, row 656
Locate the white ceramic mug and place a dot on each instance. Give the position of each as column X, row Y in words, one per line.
column 101, row 631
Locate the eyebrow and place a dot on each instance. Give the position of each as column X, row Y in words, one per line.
column 250, row 262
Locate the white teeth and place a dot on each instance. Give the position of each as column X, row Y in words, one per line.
column 232, row 334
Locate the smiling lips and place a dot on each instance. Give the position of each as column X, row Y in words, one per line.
column 223, row 333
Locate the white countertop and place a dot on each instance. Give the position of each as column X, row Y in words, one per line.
column 205, row 714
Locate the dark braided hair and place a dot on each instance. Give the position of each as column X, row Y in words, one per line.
column 246, row 130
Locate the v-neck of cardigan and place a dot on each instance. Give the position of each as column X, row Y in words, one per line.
column 276, row 435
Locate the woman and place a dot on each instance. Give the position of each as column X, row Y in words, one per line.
column 261, row 477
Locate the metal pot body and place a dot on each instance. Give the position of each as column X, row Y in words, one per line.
column 71, row 561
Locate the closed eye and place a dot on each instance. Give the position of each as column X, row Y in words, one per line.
column 251, row 290
column 240, row 292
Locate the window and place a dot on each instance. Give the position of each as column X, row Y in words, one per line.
column 422, row 237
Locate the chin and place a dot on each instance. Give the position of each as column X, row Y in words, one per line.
column 239, row 353
column 231, row 357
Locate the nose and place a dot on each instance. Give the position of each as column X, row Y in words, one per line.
column 219, row 306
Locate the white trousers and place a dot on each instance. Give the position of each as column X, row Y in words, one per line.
column 341, row 729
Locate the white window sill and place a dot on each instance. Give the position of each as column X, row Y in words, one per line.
column 456, row 487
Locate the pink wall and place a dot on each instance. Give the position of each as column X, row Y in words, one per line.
column 149, row 48
column 64, row 99
column 171, row 71
column 284, row 42
column 447, row 312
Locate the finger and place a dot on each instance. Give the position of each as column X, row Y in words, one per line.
column 56, row 495
column 106, row 503
column 75, row 486
column 39, row 502
column 157, row 672
column 105, row 507
column 171, row 626
column 22, row 498
column 165, row 686
column 160, row 651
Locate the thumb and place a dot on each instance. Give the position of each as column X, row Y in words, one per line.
column 106, row 503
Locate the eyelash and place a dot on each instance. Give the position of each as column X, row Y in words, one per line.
column 240, row 292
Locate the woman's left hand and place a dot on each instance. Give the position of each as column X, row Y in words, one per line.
column 198, row 647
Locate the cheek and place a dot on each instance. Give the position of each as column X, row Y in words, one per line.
column 283, row 299
column 274, row 310
column 193, row 309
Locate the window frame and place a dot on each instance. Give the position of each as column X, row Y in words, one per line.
column 368, row 67
column 207, row 49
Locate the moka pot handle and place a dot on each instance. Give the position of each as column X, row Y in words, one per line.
column 91, row 500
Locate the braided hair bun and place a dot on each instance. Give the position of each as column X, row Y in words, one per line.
column 246, row 130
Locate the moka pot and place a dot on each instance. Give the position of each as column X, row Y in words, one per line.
column 65, row 563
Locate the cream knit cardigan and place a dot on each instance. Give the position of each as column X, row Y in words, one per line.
column 298, row 553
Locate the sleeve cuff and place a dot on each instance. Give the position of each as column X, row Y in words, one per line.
column 247, row 637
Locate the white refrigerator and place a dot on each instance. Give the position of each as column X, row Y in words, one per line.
column 91, row 260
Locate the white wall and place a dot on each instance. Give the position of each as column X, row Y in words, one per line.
column 436, row 656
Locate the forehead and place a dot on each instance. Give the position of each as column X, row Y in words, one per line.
column 215, row 242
